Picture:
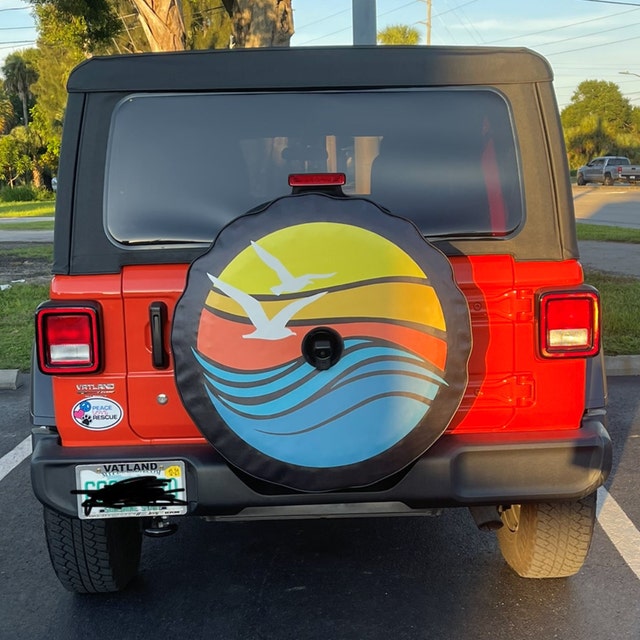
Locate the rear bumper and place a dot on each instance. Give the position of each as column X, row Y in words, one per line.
column 458, row 470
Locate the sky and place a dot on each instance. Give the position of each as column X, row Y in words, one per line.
column 582, row 39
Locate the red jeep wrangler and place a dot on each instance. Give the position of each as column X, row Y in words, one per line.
column 315, row 283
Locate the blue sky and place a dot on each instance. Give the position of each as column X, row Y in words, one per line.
column 582, row 39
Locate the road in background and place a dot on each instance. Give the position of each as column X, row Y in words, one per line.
column 617, row 206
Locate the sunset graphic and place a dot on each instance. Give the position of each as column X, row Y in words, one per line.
column 321, row 274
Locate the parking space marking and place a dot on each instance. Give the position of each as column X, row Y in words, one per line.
column 621, row 531
column 11, row 460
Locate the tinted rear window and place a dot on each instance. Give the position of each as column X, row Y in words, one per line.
column 181, row 166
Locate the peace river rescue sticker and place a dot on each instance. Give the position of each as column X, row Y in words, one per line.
column 97, row 413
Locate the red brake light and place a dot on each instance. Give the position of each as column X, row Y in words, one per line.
column 317, row 179
column 67, row 339
column 570, row 324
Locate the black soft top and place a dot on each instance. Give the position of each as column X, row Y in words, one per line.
column 98, row 85
column 320, row 68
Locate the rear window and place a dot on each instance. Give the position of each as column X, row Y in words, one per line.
column 180, row 166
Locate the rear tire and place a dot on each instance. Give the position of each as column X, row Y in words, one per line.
column 93, row 556
column 547, row 539
column 608, row 180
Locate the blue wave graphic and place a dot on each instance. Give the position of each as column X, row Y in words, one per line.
column 370, row 400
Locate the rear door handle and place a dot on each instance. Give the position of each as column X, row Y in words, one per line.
column 158, row 322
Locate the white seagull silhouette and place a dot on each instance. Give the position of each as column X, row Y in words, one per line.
column 266, row 329
column 288, row 282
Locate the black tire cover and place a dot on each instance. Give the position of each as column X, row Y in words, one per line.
column 307, row 261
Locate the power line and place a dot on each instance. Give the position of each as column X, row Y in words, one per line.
column 627, row 4
column 11, row 45
column 588, row 35
column 566, row 26
column 15, row 9
column 469, row 26
column 593, row 46
column 16, row 42
column 313, row 24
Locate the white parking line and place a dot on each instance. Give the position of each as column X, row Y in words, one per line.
column 621, row 531
column 11, row 460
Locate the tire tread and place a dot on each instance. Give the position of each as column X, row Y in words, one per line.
column 552, row 539
column 92, row 556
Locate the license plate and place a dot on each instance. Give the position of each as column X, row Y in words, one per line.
column 632, row 177
column 131, row 489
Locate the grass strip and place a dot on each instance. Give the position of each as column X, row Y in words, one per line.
column 27, row 226
column 620, row 297
column 41, row 252
column 17, row 306
column 604, row 233
column 26, row 209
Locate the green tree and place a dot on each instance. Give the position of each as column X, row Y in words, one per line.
column 599, row 120
column 19, row 74
column 7, row 112
column 165, row 23
column 93, row 22
column 14, row 158
column 399, row 34
column 599, row 99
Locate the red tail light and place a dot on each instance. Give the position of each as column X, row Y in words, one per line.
column 67, row 339
column 317, row 179
column 570, row 324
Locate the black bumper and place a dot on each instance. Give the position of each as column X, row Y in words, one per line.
column 458, row 470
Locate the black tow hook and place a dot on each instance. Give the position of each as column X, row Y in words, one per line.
column 322, row 348
column 160, row 527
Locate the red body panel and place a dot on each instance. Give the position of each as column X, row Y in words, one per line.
column 511, row 387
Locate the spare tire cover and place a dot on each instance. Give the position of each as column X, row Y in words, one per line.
column 272, row 276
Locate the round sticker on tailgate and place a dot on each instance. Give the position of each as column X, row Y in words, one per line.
column 97, row 413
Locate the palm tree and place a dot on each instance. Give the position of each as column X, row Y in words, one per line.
column 19, row 75
column 6, row 114
column 399, row 34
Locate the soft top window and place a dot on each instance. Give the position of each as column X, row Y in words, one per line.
column 180, row 166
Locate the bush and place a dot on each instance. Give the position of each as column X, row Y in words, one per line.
column 18, row 194
column 25, row 193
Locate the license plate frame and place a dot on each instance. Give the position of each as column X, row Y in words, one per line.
column 94, row 477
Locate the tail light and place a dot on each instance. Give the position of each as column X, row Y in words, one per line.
column 67, row 339
column 619, row 170
column 317, row 179
column 570, row 324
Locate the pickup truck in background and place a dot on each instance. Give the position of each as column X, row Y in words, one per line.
column 629, row 173
column 607, row 170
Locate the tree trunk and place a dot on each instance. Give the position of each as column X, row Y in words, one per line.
column 162, row 24
column 262, row 23
column 25, row 109
column 36, row 174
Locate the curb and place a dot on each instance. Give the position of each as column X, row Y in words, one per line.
column 9, row 379
column 614, row 366
column 622, row 365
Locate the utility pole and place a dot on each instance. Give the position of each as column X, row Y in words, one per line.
column 427, row 22
column 363, row 14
